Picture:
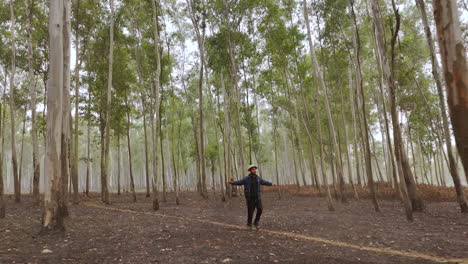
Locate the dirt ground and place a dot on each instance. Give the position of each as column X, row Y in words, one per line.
column 295, row 229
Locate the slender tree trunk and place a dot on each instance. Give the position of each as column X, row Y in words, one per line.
column 234, row 88
column 348, row 162
column 65, row 158
column 173, row 147
column 129, row 148
column 2, row 116
column 361, row 100
column 119, row 165
column 404, row 171
column 163, row 163
column 355, row 139
column 216, row 123
column 76, row 132
column 323, row 88
column 32, row 91
column 147, row 172
column 23, row 131
column 106, row 142
column 156, row 91
column 88, row 145
column 17, row 187
column 455, row 67
column 52, row 218
column 227, row 134
column 275, row 133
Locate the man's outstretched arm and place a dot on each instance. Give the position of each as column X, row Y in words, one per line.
column 239, row 182
column 267, row 183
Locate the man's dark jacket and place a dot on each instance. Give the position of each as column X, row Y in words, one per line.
column 247, row 180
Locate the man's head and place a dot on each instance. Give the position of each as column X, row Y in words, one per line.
column 252, row 169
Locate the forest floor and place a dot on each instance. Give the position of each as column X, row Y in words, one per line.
column 295, row 229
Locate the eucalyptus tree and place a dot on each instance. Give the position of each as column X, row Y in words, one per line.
column 33, row 94
column 453, row 55
column 323, row 91
column 361, row 99
column 156, row 10
column 388, row 75
column 66, row 111
column 53, row 197
column 197, row 16
column 14, row 158
column 2, row 187
column 105, row 120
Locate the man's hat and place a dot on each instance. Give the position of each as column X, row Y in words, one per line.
column 251, row 167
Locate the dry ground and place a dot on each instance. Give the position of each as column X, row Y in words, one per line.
column 295, row 229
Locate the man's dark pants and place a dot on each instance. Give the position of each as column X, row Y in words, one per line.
column 251, row 205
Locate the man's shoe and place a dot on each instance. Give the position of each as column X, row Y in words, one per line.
column 249, row 226
column 257, row 225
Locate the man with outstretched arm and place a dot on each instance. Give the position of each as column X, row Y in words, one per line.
column 253, row 194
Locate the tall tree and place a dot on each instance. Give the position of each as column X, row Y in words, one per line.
column 453, row 54
column 361, row 100
column 53, row 197
column 196, row 11
column 317, row 117
column 76, row 130
column 2, row 187
column 129, row 148
column 388, row 75
column 32, row 90
column 14, row 159
column 322, row 91
column 155, row 110
column 65, row 137
column 105, row 138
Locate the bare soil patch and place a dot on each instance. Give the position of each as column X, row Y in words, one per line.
column 99, row 235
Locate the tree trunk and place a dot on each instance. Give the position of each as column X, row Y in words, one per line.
column 2, row 116
column 275, row 133
column 200, row 118
column 404, row 170
column 156, row 90
column 348, row 162
column 453, row 54
column 52, row 218
column 23, row 131
column 323, row 89
column 119, row 165
column 88, row 144
column 163, row 163
column 234, row 88
column 174, row 153
column 129, row 148
column 106, row 142
column 143, row 103
column 17, row 187
column 361, row 100
column 75, row 145
column 32, row 91
column 66, row 105
column 226, row 134
column 322, row 153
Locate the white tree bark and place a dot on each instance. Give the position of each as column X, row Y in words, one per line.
column 52, row 167
column 453, row 53
column 317, row 72
column 324, row 93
